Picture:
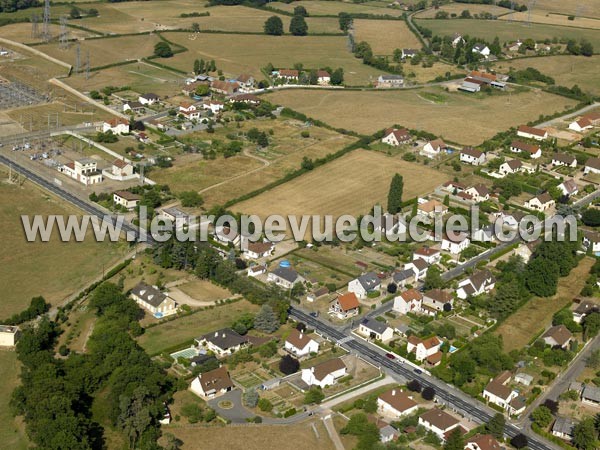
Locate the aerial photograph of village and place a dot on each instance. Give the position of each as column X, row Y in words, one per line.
column 300, row 224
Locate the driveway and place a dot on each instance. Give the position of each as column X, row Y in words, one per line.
column 237, row 413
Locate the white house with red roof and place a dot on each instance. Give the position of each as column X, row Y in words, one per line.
column 126, row 199
column 423, row 348
column 479, row 193
column 472, row 156
column 409, row 301
column 324, row 374
column 540, row 202
column 213, row 105
column 438, row 422
column 434, row 148
column 428, row 254
column 300, row 344
column 483, row 442
column 116, row 125
column 534, row 151
column 581, row 125
column 395, row 137
column 189, row 111
column 345, row 306
column 323, row 77
column 532, row 133
column 396, row 403
column 455, row 242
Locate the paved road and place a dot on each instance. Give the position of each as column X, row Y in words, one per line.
column 446, row 394
column 568, row 116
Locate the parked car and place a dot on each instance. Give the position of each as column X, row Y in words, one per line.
column 389, row 355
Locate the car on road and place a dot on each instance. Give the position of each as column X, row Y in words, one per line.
column 419, row 371
column 389, row 355
column 314, row 314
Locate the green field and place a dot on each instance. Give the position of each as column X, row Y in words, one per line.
column 235, row 54
column 12, row 434
column 52, row 269
column 509, row 32
column 168, row 334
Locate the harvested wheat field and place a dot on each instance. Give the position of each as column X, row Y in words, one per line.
column 351, row 184
column 458, row 117
column 385, row 36
column 457, row 8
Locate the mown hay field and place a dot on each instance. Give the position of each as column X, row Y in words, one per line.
column 553, row 19
column 457, row 8
column 352, row 184
column 385, row 36
column 461, row 117
column 566, row 70
column 317, row 7
column 250, row 53
column 12, row 432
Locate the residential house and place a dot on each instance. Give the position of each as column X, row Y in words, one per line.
column 84, row 170
column 395, row 137
column 419, row 268
column 403, row 277
column 472, row 156
column 286, row 277
column 512, row 166
column 487, row 78
column 534, row 151
column 479, row 193
column 248, row 99
column 409, row 52
column 431, row 208
column 127, row 199
column 300, row 344
column 189, row 111
column 224, row 87
column 361, row 286
column 324, row 374
column 438, row 422
column 499, row 392
column 583, row 309
column 212, row 384
column 190, row 88
column 438, row 299
column 387, row 433
column 345, row 306
column 563, row 428
column 592, row 165
column 135, row 107
column 214, row 106
column 256, row 250
column 592, row 238
column 408, row 301
column 479, row 283
column 390, row 81
column 288, row 74
column 564, row 159
column 482, row 50
column 434, row 148
column 375, row 330
column 524, row 378
column 423, row 348
column 9, row 335
column 116, row 125
column 256, row 270
column 176, row 216
column 228, row 235
column 428, row 254
column 532, row 133
column 246, row 81
column 483, row 234
column 483, row 442
column 453, row 187
column 591, row 395
column 395, row 403
column 455, row 242
column 470, row 85
column 557, row 336
column 323, row 77
column 569, row 187
column 223, row 342
column 153, row 300
column 581, row 125
column 540, row 202
column 389, row 225
column 148, row 99
column 121, row 168
column 456, row 39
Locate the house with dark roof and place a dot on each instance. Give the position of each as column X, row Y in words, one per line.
column 409, row 52
column 375, row 330
column 557, row 336
column 345, row 306
column 395, row 137
column 472, row 156
column 395, row 404
column 512, row 166
column 246, row 81
column 363, row 285
column 300, row 344
column 127, row 199
column 286, row 277
column 569, row 187
column 148, row 99
column 324, row 374
column 225, row 87
column 591, row 241
column 563, row 427
column 212, row 384
column 153, row 300
column 438, row 422
column 390, row 81
column 592, row 165
column 403, row 277
column 590, row 395
column 564, row 159
column 584, row 308
column 479, row 192
column 477, row 284
column 223, row 342
column 437, row 299
column 540, row 202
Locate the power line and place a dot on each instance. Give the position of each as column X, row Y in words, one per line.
column 77, row 58
column 63, row 41
column 46, row 26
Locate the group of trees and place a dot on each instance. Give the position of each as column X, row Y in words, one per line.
column 550, row 261
column 583, row 47
column 298, row 26
column 201, row 66
column 163, row 50
column 37, row 306
column 56, row 395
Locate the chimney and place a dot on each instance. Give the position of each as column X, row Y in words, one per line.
column 312, row 369
column 216, row 333
column 301, row 335
column 393, row 392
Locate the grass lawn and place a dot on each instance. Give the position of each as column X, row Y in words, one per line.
column 351, row 184
column 542, row 17
column 204, row 291
column 385, row 36
column 168, row 334
column 21, row 32
column 250, row 53
column 489, row 29
column 408, row 108
column 589, row 8
column 12, row 433
column 105, row 51
column 536, row 314
column 566, row 70
column 257, row 437
column 52, row 269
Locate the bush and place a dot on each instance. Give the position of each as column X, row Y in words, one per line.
column 265, row 405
